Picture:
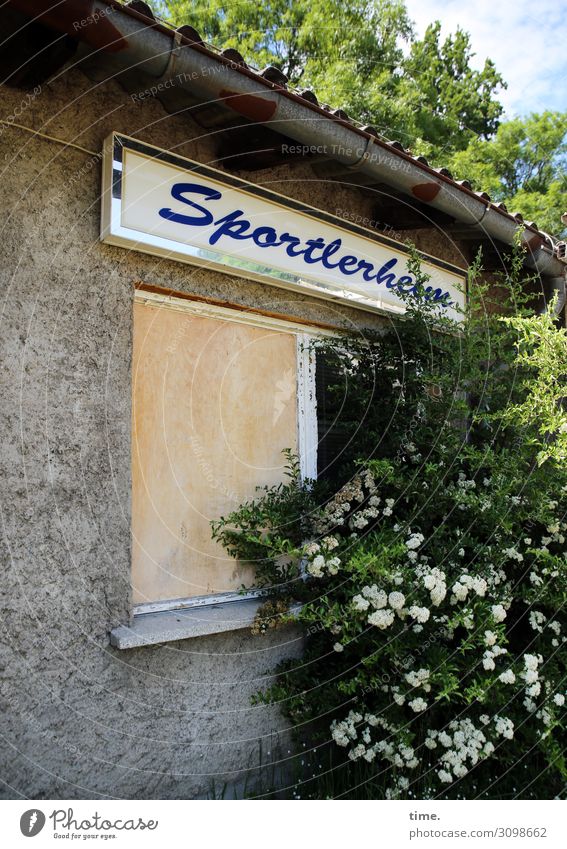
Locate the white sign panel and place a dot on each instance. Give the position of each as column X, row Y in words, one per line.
column 162, row 204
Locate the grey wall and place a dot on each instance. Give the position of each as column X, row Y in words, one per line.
column 82, row 719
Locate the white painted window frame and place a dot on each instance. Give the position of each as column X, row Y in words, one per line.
column 307, row 435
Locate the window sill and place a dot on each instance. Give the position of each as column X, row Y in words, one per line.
column 150, row 629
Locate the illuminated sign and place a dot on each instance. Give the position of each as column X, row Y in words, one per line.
column 163, row 204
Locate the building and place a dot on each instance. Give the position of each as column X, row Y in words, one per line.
column 150, row 379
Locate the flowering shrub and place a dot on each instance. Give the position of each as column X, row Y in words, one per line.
column 451, row 639
column 432, row 567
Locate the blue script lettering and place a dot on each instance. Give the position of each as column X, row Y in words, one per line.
column 177, row 193
column 236, row 226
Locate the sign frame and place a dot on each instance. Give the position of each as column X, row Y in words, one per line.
column 116, row 148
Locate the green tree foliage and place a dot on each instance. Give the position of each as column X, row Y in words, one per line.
column 301, row 38
column 452, row 103
column 364, row 57
column 361, row 56
column 525, row 165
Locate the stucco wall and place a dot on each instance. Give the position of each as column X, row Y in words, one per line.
column 82, row 719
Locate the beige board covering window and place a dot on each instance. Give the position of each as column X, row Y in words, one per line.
column 214, row 405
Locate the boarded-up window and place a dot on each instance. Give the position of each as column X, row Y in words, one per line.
column 214, row 405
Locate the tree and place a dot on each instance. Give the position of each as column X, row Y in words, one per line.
column 300, row 37
column 365, row 58
column 362, row 57
column 452, row 103
column 524, row 165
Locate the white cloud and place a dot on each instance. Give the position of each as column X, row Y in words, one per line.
column 523, row 38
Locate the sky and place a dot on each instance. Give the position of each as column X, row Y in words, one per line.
column 524, row 38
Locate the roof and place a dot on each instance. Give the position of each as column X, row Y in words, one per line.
column 103, row 37
column 275, row 77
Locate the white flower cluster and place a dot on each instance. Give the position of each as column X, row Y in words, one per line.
column 420, row 614
column 360, row 603
column 465, row 484
column 399, row 756
column 402, row 783
column 466, row 584
column 346, row 733
column 413, row 542
column 494, row 577
column 318, row 567
column 398, row 697
column 530, row 676
column 319, row 564
column 369, row 481
column 490, row 654
column 504, row 727
column 537, row 620
column 463, row 746
column 498, row 612
column 419, row 678
column 434, row 581
column 556, row 628
column 382, row 618
column 396, row 600
column 463, row 492
column 377, row 598
column 507, row 677
column 382, row 615
column 556, row 528
column 546, row 718
column 362, row 518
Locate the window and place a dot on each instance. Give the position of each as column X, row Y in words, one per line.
column 217, row 395
column 334, row 431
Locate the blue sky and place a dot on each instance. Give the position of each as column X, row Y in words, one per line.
column 525, row 39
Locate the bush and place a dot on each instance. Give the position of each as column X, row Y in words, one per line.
column 431, row 567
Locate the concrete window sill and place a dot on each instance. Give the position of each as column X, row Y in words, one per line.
column 150, row 629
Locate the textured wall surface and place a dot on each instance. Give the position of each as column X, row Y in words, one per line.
column 80, row 718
